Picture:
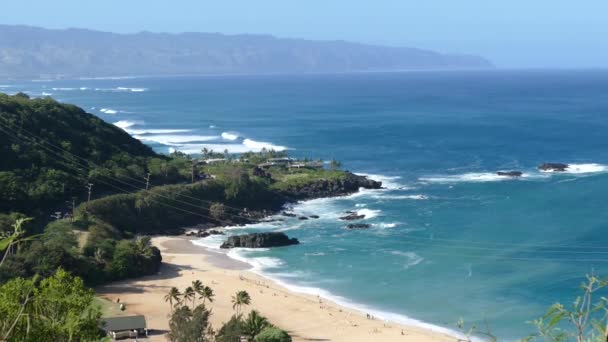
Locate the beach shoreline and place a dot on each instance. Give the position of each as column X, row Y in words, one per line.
column 306, row 317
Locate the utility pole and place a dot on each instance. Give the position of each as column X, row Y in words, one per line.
column 193, row 171
column 73, row 203
column 147, row 178
column 90, row 187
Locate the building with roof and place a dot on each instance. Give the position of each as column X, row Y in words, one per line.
column 125, row 327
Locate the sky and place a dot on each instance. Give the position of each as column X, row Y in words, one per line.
column 510, row 33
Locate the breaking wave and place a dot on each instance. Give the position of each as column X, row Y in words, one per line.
column 174, row 140
column 257, row 146
column 230, row 136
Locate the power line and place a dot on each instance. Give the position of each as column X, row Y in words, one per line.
column 123, row 182
column 127, row 191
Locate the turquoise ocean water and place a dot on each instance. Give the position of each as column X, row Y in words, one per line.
column 449, row 239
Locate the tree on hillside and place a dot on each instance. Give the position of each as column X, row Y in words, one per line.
column 58, row 308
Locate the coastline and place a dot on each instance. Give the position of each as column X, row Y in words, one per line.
column 306, row 317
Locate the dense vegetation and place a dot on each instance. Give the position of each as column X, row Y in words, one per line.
column 54, row 156
column 57, row 308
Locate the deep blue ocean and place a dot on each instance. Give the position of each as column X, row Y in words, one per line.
column 449, row 238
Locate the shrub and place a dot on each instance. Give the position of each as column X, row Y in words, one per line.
column 272, row 334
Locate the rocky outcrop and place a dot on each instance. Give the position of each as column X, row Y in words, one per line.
column 352, row 216
column 557, row 167
column 509, row 173
column 259, row 240
column 346, row 185
column 302, row 218
column 313, row 216
column 288, row 214
column 358, row 226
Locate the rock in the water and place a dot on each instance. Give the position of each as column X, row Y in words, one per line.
column 289, row 214
column 313, row 216
column 302, row 218
column 206, row 233
column 559, row 167
column 259, row 240
column 352, row 216
column 358, row 226
column 509, row 173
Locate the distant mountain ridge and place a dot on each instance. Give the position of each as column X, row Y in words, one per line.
column 32, row 52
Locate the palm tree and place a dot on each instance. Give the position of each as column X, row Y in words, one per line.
column 198, row 287
column 239, row 299
column 207, row 293
column 173, row 295
column 142, row 245
column 189, row 294
column 254, row 324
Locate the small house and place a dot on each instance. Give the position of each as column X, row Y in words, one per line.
column 125, row 327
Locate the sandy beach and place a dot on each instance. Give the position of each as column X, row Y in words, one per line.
column 305, row 317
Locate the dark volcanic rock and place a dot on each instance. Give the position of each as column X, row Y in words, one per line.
column 352, row 216
column 314, row 216
column 358, row 226
column 259, row 240
column 289, row 214
column 302, row 218
column 346, row 185
column 509, row 173
column 206, row 233
column 559, row 167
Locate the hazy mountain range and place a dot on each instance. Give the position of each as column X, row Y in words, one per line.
column 32, row 52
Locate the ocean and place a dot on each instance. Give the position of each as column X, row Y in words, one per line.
column 449, row 239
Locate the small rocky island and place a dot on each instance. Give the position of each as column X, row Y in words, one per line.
column 259, row 240
column 555, row 167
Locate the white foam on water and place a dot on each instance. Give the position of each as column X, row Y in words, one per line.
column 120, row 89
column 388, row 182
column 259, row 145
column 470, row 177
column 369, row 213
column 258, row 263
column 108, row 111
column 174, row 140
column 384, row 225
column 124, row 124
column 586, row 168
column 212, row 126
column 400, row 197
column 246, row 146
column 46, row 94
column 360, row 205
column 230, row 135
column 63, row 89
column 211, row 242
column 413, row 259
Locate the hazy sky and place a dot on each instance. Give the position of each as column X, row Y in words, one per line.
column 511, row 33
